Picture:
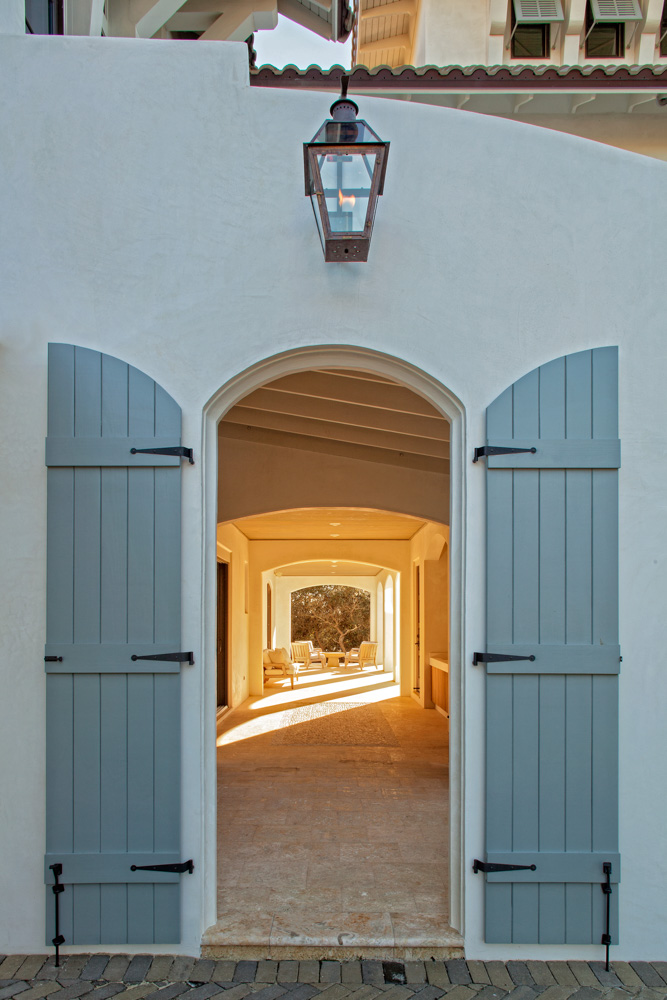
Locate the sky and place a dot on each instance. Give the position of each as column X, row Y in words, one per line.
column 290, row 43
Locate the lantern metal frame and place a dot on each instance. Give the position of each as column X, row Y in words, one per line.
column 353, row 246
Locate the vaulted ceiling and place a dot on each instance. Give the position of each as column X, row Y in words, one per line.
column 346, row 413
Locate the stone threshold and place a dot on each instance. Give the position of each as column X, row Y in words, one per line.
column 330, row 941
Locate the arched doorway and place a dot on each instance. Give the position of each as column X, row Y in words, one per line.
column 365, row 365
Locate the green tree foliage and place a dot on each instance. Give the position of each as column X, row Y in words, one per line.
column 333, row 617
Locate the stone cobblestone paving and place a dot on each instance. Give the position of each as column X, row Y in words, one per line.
column 166, row 977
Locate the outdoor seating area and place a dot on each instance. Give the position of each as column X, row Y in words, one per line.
column 304, row 657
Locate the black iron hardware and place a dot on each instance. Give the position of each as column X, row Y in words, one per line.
column 184, row 866
column 497, row 658
column 53, row 659
column 57, row 888
column 178, row 451
column 490, row 449
column 188, row 657
column 490, row 866
column 606, row 888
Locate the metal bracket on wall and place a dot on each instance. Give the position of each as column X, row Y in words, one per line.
column 57, row 888
column 490, row 450
column 177, row 451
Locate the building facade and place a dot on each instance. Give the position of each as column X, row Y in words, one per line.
column 178, row 270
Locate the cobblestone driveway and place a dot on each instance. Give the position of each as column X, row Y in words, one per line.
column 164, row 977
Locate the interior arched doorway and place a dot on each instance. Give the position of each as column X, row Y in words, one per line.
column 424, row 386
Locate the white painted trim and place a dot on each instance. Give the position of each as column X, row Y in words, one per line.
column 287, row 363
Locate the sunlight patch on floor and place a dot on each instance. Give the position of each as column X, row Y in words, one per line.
column 348, row 691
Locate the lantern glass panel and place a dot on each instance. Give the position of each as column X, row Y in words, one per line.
column 346, row 181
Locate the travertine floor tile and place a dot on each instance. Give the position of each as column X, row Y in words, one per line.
column 319, row 842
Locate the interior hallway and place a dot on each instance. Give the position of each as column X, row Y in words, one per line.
column 333, row 822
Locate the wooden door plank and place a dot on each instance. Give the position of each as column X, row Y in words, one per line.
column 87, row 393
column 60, row 556
column 87, row 555
column 86, row 762
column 114, row 397
column 113, row 763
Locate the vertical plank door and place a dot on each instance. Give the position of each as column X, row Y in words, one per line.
column 113, row 593
column 552, row 599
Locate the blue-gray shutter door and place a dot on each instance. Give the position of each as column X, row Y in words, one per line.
column 552, row 593
column 113, row 591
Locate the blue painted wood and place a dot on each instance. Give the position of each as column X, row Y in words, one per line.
column 113, row 589
column 552, row 586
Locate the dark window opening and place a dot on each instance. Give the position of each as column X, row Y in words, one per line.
column 192, row 35
column 663, row 31
column 604, row 39
column 529, row 41
column 44, row 17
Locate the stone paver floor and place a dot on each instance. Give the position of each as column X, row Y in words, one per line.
column 333, row 819
column 165, row 977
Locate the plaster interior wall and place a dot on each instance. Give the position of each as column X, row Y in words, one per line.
column 494, row 250
column 232, row 548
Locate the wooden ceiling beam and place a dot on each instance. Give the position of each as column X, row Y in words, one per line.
column 380, row 44
column 347, row 413
column 323, row 446
column 390, row 9
column 385, row 396
column 371, row 437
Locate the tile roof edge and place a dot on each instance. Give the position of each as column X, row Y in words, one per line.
column 464, row 77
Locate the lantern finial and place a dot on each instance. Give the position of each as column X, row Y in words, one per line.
column 343, row 109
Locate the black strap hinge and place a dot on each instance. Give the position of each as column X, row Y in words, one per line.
column 490, row 866
column 178, row 868
column 490, row 450
column 178, row 451
column 188, row 657
column 497, row 658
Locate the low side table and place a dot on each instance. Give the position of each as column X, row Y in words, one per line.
column 333, row 658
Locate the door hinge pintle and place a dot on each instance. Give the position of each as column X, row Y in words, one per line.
column 489, row 450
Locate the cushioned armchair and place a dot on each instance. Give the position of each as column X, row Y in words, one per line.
column 277, row 663
column 365, row 655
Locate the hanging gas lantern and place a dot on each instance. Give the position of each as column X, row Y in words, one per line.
column 345, row 164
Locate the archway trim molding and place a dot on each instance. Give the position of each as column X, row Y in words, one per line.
column 428, row 387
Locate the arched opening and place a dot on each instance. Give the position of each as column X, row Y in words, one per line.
column 380, row 486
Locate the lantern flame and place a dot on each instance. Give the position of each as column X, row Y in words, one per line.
column 346, row 201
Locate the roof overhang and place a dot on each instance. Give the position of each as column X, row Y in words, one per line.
column 495, row 90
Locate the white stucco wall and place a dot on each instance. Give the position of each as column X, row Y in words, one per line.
column 153, row 209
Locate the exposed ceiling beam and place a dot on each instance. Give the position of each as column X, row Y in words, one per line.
column 390, row 9
column 321, row 385
column 369, row 437
column 157, row 17
column 347, row 413
column 380, row 44
column 277, row 439
column 240, row 19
